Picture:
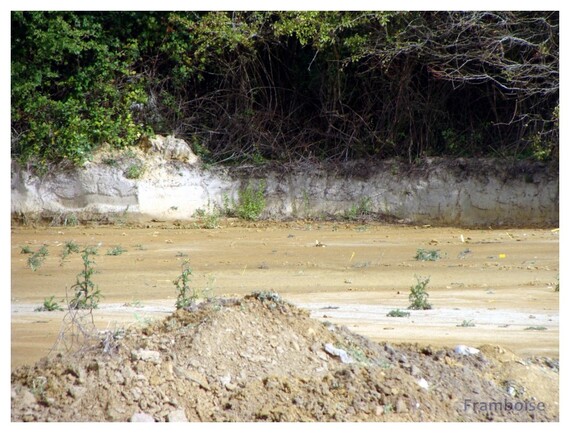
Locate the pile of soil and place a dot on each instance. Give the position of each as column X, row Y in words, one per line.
column 260, row 358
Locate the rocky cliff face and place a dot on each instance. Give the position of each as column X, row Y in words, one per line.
column 442, row 192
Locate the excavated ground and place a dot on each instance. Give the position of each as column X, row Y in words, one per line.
column 259, row 358
column 249, row 359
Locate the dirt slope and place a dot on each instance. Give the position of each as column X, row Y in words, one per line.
column 259, row 358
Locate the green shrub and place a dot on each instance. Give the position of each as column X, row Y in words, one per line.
column 418, row 295
column 86, row 294
column 186, row 296
column 251, row 202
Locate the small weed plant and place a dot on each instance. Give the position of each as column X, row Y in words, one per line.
column 186, row 296
column 398, row 313
column 26, row 250
column 427, row 255
column 360, row 210
column 68, row 248
column 36, row 260
column 466, row 324
column 49, row 305
column 418, row 295
column 135, row 170
column 251, row 203
column 86, row 294
column 116, row 251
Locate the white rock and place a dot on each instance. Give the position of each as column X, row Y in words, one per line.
column 344, row 357
column 141, row 417
column 423, row 383
column 146, row 355
column 177, row 416
column 466, row 350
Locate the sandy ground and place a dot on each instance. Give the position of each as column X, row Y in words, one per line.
column 499, row 280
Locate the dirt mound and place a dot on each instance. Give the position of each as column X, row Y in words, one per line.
column 262, row 359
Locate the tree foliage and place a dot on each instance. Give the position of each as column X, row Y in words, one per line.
column 289, row 85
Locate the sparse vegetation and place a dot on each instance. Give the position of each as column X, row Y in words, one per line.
column 26, row 250
column 68, row 248
column 418, row 295
column 208, row 219
column 251, row 202
column 536, row 328
column 86, row 294
column 116, row 251
column 36, row 260
column 360, row 210
column 186, row 296
column 466, row 324
column 135, row 170
column 49, row 305
column 266, row 295
column 398, row 313
column 427, row 255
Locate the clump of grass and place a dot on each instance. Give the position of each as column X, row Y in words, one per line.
column 49, row 305
column 536, row 328
column 116, row 251
column 251, row 203
column 398, row 313
column 427, row 255
column 186, row 296
column 466, row 324
column 418, row 295
column 86, row 293
column 36, row 260
column 26, row 250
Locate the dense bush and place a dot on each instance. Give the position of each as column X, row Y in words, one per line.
column 287, row 86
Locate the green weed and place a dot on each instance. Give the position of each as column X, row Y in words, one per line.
column 186, row 296
column 36, row 260
column 68, row 248
column 251, row 202
column 26, row 250
column 427, row 255
column 49, row 305
column 135, row 170
column 116, row 251
column 418, row 295
column 360, row 210
column 86, row 293
column 466, row 324
column 398, row 313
